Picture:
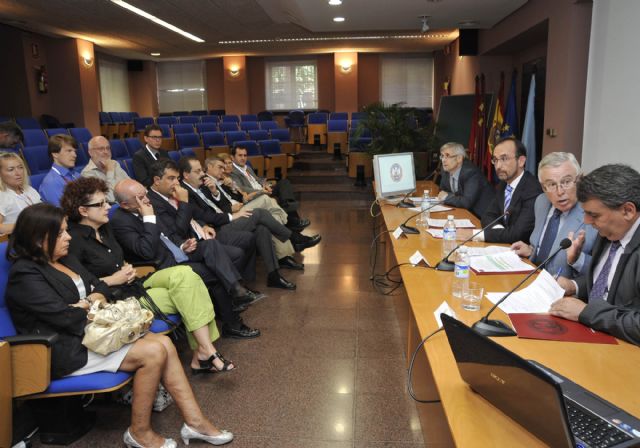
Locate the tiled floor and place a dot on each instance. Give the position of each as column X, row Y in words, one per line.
column 328, row 370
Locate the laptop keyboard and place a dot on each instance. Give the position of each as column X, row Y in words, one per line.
column 592, row 429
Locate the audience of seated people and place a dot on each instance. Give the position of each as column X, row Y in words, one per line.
column 173, row 290
column 103, row 166
column 50, row 291
column 144, row 158
column 15, row 192
column 62, row 150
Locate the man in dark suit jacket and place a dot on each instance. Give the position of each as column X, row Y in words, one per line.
column 144, row 158
column 608, row 296
column 142, row 237
column 516, row 193
column 258, row 222
column 462, row 183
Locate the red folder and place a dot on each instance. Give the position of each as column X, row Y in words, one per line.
column 548, row 327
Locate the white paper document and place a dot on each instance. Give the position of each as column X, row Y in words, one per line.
column 475, row 251
column 460, row 223
column 535, row 298
column 418, row 199
column 434, row 209
column 437, row 233
column 446, row 309
column 499, row 263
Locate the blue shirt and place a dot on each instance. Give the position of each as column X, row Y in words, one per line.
column 53, row 184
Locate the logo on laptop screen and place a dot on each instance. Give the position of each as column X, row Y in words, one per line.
column 396, row 172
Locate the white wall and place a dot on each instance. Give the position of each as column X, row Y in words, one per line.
column 612, row 108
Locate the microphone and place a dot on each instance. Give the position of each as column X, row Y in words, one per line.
column 488, row 327
column 403, row 202
column 446, row 265
column 412, row 230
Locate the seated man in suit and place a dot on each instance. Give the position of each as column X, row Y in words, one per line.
column 10, row 134
column 462, row 183
column 142, row 237
column 144, row 158
column 558, row 216
column 607, row 298
column 62, row 150
column 258, row 222
column 103, row 166
column 515, row 195
column 250, row 183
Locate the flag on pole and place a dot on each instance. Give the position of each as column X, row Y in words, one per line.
column 473, row 135
column 482, row 125
column 529, row 128
column 494, row 131
column 510, row 127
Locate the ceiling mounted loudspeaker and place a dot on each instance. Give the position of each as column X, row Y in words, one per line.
column 425, row 23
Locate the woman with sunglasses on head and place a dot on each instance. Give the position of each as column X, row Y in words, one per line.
column 15, row 192
column 50, row 291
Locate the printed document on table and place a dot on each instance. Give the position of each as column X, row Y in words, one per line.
column 460, row 223
column 437, row 233
column 499, row 263
column 535, row 298
column 474, row 251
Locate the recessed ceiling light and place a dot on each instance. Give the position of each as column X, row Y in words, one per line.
column 335, row 2
column 155, row 54
column 338, row 19
column 155, row 19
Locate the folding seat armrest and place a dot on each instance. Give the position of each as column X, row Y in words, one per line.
column 44, row 339
column 144, row 268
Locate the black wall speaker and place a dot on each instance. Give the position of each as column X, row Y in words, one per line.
column 468, row 42
column 135, row 65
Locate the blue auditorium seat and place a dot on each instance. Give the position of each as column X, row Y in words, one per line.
column 228, row 126
column 36, row 179
column 170, row 120
column 133, row 145
column 213, row 139
column 27, row 123
column 268, row 125
column 118, row 149
column 127, row 166
column 248, row 117
column 281, row 134
column 187, row 141
column 250, row 145
column 140, row 123
column 209, row 119
column 55, row 131
column 258, row 135
column 265, row 115
column 183, row 128
column 230, row 119
column 199, row 113
column 189, row 119
column 82, row 135
column 338, row 116
column 34, row 137
column 249, row 125
column 234, row 136
column 174, row 155
column 37, row 158
column 206, row 127
column 187, row 152
column 358, row 115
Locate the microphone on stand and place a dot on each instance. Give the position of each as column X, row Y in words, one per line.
column 412, row 230
column 488, row 327
column 404, row 203
column 446, row 265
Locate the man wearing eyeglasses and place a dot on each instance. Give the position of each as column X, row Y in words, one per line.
column 462, row 184
column 103, row 166
column 516, row 194
column 558, row 215
column 144, row 158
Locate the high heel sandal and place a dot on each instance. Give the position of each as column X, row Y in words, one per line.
column 188, row 433
column 207, row 366
column 128, row 440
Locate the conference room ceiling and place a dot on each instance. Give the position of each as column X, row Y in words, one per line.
column 279, row 26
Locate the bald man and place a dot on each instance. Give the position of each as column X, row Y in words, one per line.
column 102, row 166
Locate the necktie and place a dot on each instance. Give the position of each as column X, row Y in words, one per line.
column 454, row 185
column 507, row 197
column 177, row 253
column 549, row 236
column 600, row 285
column 69, row 177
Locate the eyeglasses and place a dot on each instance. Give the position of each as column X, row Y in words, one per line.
column 101, row 148
column 155, row 137
column 447, row 156
column 503, row 159
column 564, row 184
column 97, row 204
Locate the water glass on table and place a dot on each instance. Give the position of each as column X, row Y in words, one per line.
column 472, row 297
column 423, row 219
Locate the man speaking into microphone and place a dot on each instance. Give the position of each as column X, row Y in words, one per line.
column 607, row 298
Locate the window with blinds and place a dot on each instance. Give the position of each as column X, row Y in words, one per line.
column 181, row 86
column 291, row 85
column 114, row 85
column 406, row 79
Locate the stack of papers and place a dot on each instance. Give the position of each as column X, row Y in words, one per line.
column 460, row 223
column 503, row 262
column 434, row 209
column 535, row 298
column 474, row 251
column 437, row 233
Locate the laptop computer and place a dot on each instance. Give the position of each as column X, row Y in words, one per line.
column 550, row 406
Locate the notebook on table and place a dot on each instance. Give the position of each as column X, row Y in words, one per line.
column 553, row 408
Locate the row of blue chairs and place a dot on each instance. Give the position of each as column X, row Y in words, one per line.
column 117, row 117
column 185, row 128
column 216, row 139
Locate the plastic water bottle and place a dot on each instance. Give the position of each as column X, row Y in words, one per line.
column 461, row 272
column 448, row 236
column 424, row 206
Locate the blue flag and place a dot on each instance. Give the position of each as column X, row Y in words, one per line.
column 510, row 127
column 529, row 128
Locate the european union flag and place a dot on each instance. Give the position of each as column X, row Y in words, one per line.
column 510, row 127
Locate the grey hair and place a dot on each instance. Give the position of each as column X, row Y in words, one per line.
column 457, row 148
column 613, row 185
column 556, row 159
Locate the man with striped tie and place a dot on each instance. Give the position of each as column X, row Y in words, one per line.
column 607, row 298
column 516, row 195
column 62, row 150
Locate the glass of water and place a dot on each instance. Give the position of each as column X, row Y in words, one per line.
column 472, row 297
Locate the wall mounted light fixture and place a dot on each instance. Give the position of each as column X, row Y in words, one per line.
column 345, row 66
column 234, row 70
column 87, row 60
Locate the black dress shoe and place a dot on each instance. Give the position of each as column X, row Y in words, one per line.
column 299, row 224
column 289, row 263
column 249, row 298
column 275, row 280
column 310, row 242
column 239, row 308
column 240, row 332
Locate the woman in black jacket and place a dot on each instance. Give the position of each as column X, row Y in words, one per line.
column 50, row 292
